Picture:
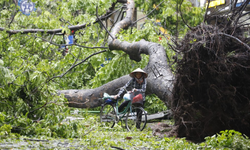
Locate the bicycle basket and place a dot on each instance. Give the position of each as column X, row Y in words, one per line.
column 138, row 100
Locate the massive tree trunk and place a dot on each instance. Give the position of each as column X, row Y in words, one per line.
column 160, row 78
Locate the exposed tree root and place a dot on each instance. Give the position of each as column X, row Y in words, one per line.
column 213, row 82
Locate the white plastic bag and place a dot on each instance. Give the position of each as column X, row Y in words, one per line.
column 127, row 97
column 106, row 95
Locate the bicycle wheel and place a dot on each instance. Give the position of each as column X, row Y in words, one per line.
column 108, row 115
column 136, row 119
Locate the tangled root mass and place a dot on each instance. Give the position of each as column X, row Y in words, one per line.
column 212, row 89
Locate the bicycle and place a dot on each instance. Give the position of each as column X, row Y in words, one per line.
column 135, row 116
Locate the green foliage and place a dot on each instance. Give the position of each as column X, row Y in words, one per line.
column 29, row 63
column 228, row 139
column 154, row 104
column 5, row 130
column 32, row 66
column 119, row 66
column 84, row 131
column 166, row 13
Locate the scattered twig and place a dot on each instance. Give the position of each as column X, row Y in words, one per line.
column 36, row 140
column 73, row 66
column 103, row 24
column 52, row 37
column 117, row 147
column 12, row 18
column 89, row 131
column 147, row 14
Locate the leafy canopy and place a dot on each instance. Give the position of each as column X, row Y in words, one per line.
column 32, row 65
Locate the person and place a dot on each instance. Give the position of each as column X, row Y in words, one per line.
column 137, row 84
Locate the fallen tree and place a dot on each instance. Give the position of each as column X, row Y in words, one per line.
column 210, row 93
column 207, row 93
column 160, row 78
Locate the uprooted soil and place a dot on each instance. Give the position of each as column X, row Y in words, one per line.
column 211, row 93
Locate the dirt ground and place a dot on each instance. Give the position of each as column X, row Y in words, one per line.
column 162, row 128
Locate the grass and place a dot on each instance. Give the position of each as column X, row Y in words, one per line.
column 94, row 136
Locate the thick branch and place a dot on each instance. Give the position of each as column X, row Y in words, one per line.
column 90, row 98
column 53, row 43
column 125, row 23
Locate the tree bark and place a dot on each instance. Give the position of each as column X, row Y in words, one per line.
column 160, row 78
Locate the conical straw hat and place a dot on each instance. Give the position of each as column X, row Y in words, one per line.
column 138, row 70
